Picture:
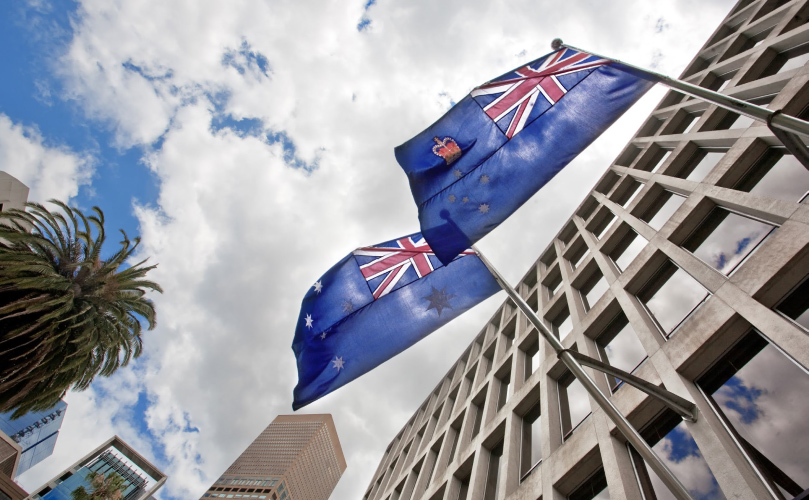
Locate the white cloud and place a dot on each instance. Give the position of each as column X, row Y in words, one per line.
column 49, row 171
column 240, row 234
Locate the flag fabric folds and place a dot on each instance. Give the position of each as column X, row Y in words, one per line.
column 494, row 149
column 375, row 303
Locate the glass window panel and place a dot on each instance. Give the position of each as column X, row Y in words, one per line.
column 621, row 348
column 671, row 296
column 505, row 391
column 595, row 488
column 574, row 403
column 725, row 239
column 629, row 248
column 786, row 180
column 742, row 122
column 563, row 324
column 794, row 62
column 703, row 168
column 661, row 161
column 593, row 290
column 796, row 306
column 762, row 394
column 680, row 453
column 493, row 475
column 531, row 447
column 634, row 194
column 692, row 121
column 666, row 210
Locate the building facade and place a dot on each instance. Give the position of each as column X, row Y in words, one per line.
column 35, row 432
column 13, row 193
column 141, row 478
column 9, row 460
column 297, row 457
column 686, row 265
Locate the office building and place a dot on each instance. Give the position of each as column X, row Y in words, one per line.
column 35, row 432
column 297, row 457
column 141, row 478
column 13, row 193
column 686, row 265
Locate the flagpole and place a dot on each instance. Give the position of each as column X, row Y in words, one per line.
column 669, row 479
column 773, row 119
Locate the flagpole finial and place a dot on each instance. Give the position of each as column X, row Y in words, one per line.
column 556, row 44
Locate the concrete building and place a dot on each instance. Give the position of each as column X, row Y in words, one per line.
column 13, row 193
column 9, row 460
column 686, row 265
column 36, row 433
column 141, row 478
column 297, row 457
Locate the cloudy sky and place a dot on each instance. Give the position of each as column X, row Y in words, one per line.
column 251, row 144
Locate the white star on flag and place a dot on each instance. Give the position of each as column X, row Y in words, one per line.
column 308, row 321
column 338, row 362
column 318, row 286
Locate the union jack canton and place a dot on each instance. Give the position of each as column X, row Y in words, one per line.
column 518, row 97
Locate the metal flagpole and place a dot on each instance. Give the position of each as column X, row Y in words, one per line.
column 669, row 479
column 774, row 119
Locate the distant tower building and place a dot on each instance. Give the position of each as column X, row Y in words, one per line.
column 35, row 432
column 297, row 457
column 687, row 265
column 141, row 478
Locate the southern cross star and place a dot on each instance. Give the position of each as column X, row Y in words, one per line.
column 484, row 179
column 439, row 300
column 483, row 208
column 348, row 306
column 465, row 199
column 308, row 319
column 338, row 363
column 457, row 173
column 318, row 286
column 323, row 336
column 452, row 198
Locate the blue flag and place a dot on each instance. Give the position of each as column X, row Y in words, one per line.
column 493, row 150
column 374, row 304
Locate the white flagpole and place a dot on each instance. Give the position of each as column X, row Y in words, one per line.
column 669, row 479
column 774, row 119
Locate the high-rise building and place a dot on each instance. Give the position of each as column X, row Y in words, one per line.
column 686, row 265
column 297, row 457
column 141, row 478
column 35, row 432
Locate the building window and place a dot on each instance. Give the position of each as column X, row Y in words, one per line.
column 627, row 192
column 672, row 442
column 562, row 324
column 724, row 239
column 659, row 159
column 463, row 489
column 762, row 395
column 553, row 283
column 663, row 207
column 670, row 296
column 531, row 445
column 630, row 245
column 531, row 359
column 619, row 346
column 577, row 254
column 594, row 488
column 505, row 390
column 593, row 288
column 574, row 403
column 493, row 473
column 701, row 164
column 455, row 433
column 602, row 222
column 776, row 175
column 796, row 305
column 476, row 409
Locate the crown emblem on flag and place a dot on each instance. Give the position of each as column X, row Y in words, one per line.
column 447, row 149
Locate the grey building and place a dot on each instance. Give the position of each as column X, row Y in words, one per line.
column 686, row 265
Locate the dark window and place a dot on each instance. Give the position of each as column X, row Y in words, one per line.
column 724, row 239
column 664, row 206
column 505, row 390
column 594, row 488
column 531, row 446
column 592, row 289
column 574, row 403
column 701, row 164
column 531, row 360
column 493, row 474
column 776, row 175
column 762, row 394
column 671, row 295
column 672, row 442
column 796, row 305
column 619, row 346
column 562, row 324
column 629, row 247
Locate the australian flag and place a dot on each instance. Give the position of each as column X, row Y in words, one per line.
column 493, row 150
column 374, row 304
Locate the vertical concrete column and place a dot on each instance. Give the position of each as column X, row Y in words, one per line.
column 511, row 454
column 617, row 462
column 425, row 476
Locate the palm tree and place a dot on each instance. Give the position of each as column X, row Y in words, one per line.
column 110, row 487
column 66, row 314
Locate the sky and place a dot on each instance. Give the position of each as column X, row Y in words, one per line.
column 250, row 144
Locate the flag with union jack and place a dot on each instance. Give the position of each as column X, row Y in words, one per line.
column 499, row 145
column 375, row 303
